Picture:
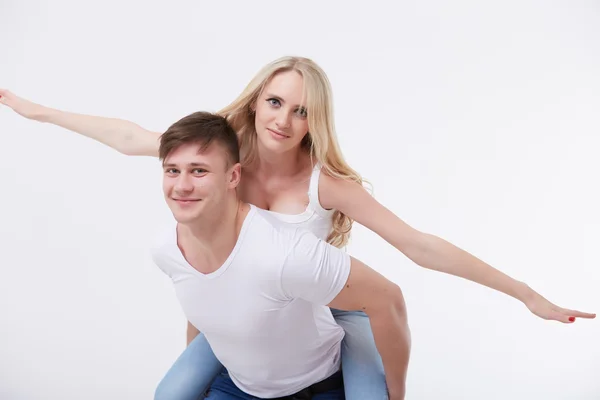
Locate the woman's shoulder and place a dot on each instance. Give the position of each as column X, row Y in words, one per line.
column 333, row 189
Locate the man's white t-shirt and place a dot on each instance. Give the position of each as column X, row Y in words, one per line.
column 264, row 310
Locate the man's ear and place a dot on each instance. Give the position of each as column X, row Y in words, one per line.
column 235, row 174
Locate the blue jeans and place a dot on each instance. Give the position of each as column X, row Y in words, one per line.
column 223, row 388
column 191, row 375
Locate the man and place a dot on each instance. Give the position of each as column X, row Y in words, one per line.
column 258, row 288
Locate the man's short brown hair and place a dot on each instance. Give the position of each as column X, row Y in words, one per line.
column 201, row 128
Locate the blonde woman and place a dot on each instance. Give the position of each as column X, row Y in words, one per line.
column 293, row 166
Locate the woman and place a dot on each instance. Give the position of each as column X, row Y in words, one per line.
column 292, row 166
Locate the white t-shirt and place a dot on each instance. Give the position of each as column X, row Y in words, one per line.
column 264, row 310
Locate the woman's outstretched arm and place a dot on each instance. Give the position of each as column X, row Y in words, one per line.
column 432, row 252
column 124, row 136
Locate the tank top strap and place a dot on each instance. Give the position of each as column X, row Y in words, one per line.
column 313, row 194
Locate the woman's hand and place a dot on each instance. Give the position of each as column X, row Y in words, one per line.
column 19, row 105
column 541, row 307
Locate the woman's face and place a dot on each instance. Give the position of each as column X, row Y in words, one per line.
column 281, row 121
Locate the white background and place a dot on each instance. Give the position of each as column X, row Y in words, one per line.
column 477, row 122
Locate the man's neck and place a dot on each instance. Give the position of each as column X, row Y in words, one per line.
column 206, row 243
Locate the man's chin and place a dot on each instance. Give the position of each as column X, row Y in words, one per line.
column 184, row 217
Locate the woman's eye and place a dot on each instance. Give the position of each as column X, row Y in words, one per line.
column 274, row 102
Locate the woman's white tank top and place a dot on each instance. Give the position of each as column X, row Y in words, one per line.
column 315, row 218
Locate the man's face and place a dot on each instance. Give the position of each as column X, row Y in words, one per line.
column 196, row 182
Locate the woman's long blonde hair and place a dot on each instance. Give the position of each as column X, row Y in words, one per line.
column 320, row 142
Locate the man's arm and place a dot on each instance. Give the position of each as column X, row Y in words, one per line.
column 191, row 333
column 322, row 274
column 382, row 301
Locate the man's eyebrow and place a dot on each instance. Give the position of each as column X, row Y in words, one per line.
column 193, row 164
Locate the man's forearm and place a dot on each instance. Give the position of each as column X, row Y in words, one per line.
column 393, row 341
column 191, row 333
